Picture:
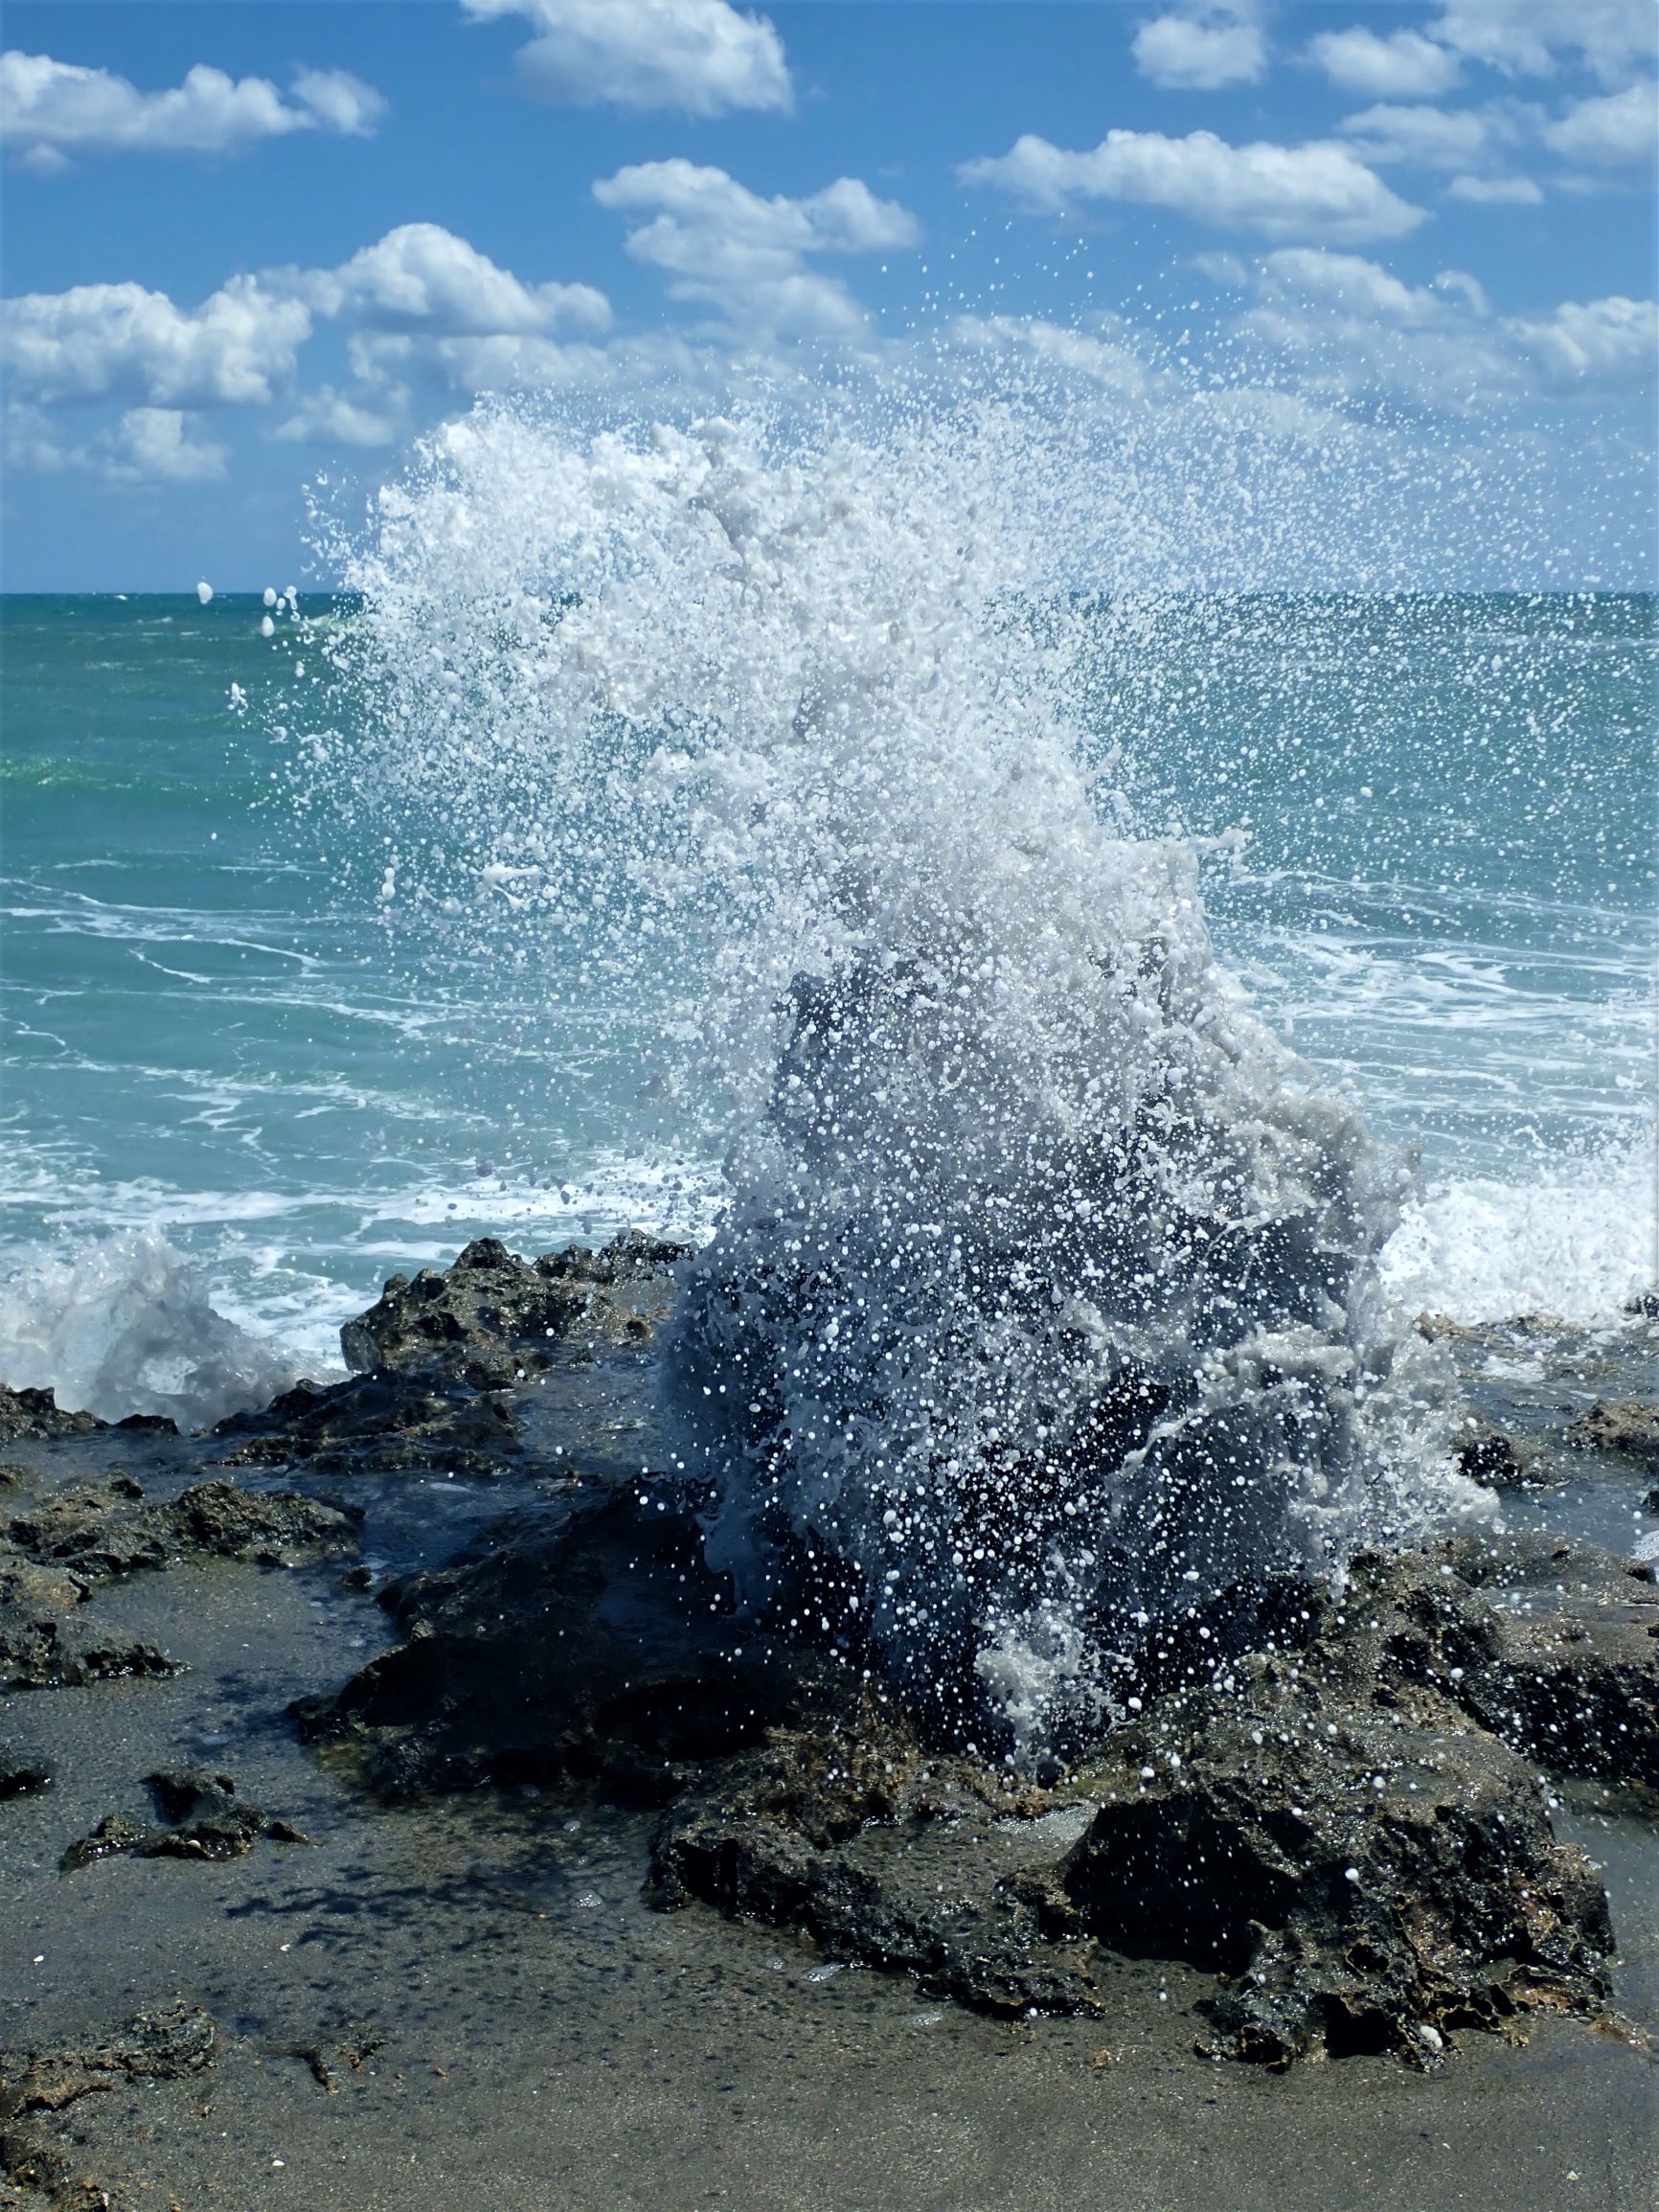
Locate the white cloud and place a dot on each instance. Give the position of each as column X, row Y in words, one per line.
column 1106, row 362
column 1430, row 137
column 1318, row 190
column 1403, row 65
column 1623, row 127
column 1495, row 190
column 1203, row 45
column 235, row 351
column 1349, row 327
column 701, row 56
column 51, row 109
column 331, row 418
column 32, row 441
column 152, row 446
column 1523, row 37
column 421, row 277
column 1613, row 341
column 339, row 102
column 721, row 243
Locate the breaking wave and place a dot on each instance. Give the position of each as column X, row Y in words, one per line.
column 124, row 1325
column 1045, row 1309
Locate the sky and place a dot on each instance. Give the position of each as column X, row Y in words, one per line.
column 252, row 256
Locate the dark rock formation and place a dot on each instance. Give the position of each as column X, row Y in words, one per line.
column 1487, row 1455
column 583, row 1639
column 1366, row 1877
column 98, row 1534
column 1570, row 1677
column 377, row 1424
column 1325, row 1822
column 931, row 1864
column 492, row 1318
column 34, row 1415
column 204, row 1819
column 44, row 1646
column 22, row 1777
column 1626, row 1425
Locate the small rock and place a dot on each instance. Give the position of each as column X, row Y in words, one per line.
column 1626, row 1425
column 21, row 1777
column 206, row 1819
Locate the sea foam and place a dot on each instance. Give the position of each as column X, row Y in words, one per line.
column 124, row 1325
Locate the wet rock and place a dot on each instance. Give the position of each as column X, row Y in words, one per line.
column 204, row 1819
column 166, row 2045
column 1650, row 1503
column 1571, row 1677
column 1341, row 1822
column 43, row 1645
column 21, row 1777
column 377, row 1424
column 172, row 2045
column 1358, row 1873
column 578, row 1640
column 36, row 1415
column 935, row 1866
column 1487, row 1455
column 1626, row 1425
column 14, row 1474
column 493, row 1319
column 109, row 1531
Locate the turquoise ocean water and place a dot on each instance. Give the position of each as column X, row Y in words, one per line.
column 1429, row 836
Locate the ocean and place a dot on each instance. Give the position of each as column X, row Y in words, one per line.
column 241, row 1077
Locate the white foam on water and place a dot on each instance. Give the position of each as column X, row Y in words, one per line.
column 1579, row 1240
column 1045, row 1303
column 126, row 1326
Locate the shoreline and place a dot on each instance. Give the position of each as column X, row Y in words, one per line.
column 466, row 1989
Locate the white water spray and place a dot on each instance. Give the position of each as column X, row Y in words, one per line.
column 1045, row 1308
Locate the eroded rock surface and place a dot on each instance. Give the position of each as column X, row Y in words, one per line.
column 377, row 1424
column 36, row 2087
column 34, row 1415
column 1626, row 1425
column 493, row 1319
column 44, row 1644
column 202, row 1817
column 585, row 1638
column 102, row 1533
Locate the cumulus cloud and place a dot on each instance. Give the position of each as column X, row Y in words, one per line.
column 701, row 56
column 1318, row 190
column 332, row 418
column 1351, row 329
column 1429, row 137
column 1613, row 341
column 1403, row 65
column 236, row 349
column 1623, row 127
column 32, row 441
column 152, row 445
column 1203, row 45
column 1103, row 358
column 1526, row 37
column 747, row 256
column 421, row 277
column 1495, row 190
column 50, row 110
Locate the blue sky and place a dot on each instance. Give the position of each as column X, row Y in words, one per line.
column 247, row 248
